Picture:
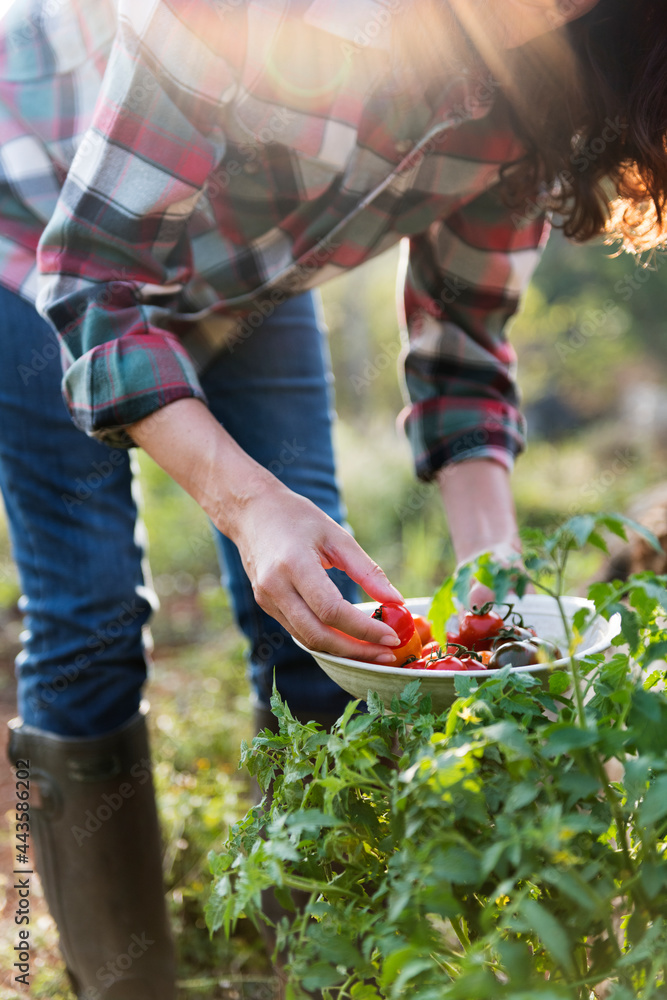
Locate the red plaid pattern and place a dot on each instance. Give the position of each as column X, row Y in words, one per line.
column 177, row 158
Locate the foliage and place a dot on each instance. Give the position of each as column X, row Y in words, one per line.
column 512, row 847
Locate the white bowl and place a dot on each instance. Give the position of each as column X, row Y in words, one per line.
column 538, row 610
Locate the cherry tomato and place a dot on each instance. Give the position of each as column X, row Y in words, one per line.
column 477, row 664
column 509, row 633
column 398, row 617
column 446, row 663
column 453, row 642
column 478, row 628
column 424, row 629
column 523, row 653
column 429, row 648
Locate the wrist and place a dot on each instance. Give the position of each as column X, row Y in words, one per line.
column 478, row 501
column 186, row 440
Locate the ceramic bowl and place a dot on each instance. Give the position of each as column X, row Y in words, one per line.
column 538, row 610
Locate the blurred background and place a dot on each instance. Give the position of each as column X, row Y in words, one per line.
column 592, row 356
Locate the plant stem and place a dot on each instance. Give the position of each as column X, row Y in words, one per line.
column 460, row 932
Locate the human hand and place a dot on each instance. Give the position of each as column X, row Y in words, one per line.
column 286, row 544
column 480, row 594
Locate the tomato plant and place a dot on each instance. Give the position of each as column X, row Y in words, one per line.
column 485, row 853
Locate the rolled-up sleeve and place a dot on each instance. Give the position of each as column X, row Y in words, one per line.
column 120, row 222
column 463, row 282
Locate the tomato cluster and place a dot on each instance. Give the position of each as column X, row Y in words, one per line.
column 485, row 640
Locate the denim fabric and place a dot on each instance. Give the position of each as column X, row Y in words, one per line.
column 72, row 526
column 76, row 537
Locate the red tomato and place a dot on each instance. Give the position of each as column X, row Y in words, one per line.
column 473, row 664
column 398, row 617
column 431, row 648
column 478, row 628
column 446, row 663
column 424, row 629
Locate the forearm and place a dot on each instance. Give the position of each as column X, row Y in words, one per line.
column 480, row 508
column 187, row 441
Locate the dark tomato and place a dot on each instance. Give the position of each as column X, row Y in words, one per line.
column 513, row 654
column 523, row 653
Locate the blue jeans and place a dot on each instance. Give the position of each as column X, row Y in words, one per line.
column 72, row 519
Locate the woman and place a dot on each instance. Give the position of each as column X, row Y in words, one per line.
column 189, row 169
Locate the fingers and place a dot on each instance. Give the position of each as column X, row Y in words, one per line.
column 479, row 595
column 317, row 615
column 348, row 555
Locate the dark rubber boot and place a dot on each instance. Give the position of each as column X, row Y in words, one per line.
column 95, row 841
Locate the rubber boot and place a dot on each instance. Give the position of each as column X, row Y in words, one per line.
column 95, row 842
column 263, row 718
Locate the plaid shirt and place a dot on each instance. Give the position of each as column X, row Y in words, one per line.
column 172, row 170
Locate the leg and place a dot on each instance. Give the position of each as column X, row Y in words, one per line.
column 273, row 393
column 72, row 525
column 93, row 821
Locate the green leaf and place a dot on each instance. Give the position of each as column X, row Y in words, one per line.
column 456, row 865
column 647, row 721
column 559, row 682
column 563, row 738
column 598, row 541
column 442, row 608
column 521, row 795
column 577, row 786
column 311, row 820
column 654, row 806
column 578, row 528
column 393, row 964
column 375, row 703
column 465, row 686
column 321, row 974
column 640, row 529
column 655, row 651
column 363, row 991
column 630, row 625
column 652, row 587
column 554, row 939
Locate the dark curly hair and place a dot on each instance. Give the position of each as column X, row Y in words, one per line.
column 589, row 102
